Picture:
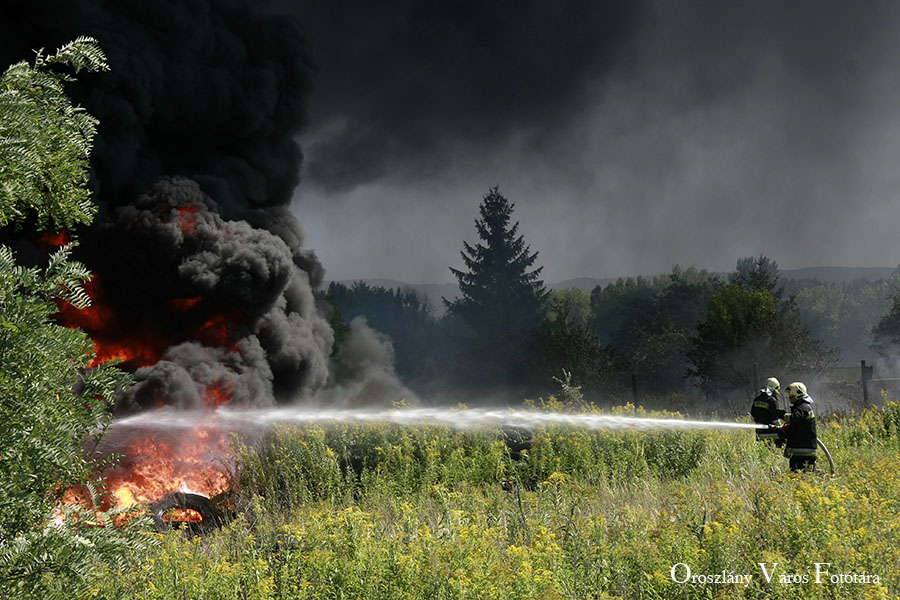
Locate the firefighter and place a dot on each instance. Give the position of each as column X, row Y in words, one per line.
column 800, row 430
column 765, row 411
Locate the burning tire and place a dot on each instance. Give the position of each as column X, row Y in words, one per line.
column 210, row 516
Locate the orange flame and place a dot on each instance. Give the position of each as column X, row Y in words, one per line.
column 50, row 240
column 182, row 515
column 155, row 465
column 99, row 321
column 187, row 219
column 141, row 355
column 93, row 318
column 180, row 305
column 160, row 463
column 219, row 393
column 219, row 330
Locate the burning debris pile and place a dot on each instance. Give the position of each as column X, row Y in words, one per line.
column 202, row 286
column 206, row 312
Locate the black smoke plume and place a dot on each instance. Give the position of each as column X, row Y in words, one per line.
column 213, row 90
column 407, row 86
column 203, row 284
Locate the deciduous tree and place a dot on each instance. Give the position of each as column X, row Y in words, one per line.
column 745, row 331
column 758, row 272
column 51, row 403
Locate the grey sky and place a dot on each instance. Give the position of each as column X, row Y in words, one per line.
column 692, row 133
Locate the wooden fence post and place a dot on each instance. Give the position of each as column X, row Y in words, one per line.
column 864, row 376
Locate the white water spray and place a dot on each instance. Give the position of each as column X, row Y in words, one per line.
column 468, row 418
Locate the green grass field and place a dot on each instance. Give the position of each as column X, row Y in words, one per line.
column 442, row 514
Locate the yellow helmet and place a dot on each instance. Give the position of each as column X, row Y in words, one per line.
column 773, row 385
column 796, row 391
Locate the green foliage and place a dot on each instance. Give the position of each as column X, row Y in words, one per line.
column 501, row 305
column 846, row 316
column 338, row 323
column 287, row 469
column 621, row 308
column 746, row 330
column 825, row 309
column 295, row 466
column 570, row 307
column 558, row 346
column 737, row 314
column 237, row 566
column 51, row 404
column 45, row 142
column 70, row 556
column 886, row 333
column 648, row 323
column 43, row 417
column 758, row 272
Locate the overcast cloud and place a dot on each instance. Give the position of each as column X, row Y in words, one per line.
column 631, row 136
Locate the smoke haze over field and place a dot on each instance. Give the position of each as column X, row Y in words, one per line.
column 631, row 135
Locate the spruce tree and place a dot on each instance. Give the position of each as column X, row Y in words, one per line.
column 502, row 294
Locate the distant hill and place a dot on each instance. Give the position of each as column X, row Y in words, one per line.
column 435, row 292
column 838, row 275
column 582, row 283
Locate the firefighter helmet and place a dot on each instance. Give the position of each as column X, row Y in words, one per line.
column 796, row 391
column 773, row 385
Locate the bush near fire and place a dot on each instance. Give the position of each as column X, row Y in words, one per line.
column 52, row 403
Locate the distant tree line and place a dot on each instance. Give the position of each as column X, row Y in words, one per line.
column 853, row 317
column 688, row 329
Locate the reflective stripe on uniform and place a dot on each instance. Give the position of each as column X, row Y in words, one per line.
column 801, row 451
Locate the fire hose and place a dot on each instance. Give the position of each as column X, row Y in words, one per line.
column 827, row 453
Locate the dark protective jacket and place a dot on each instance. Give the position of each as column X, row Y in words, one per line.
column 801, row 437
column 765, row 411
